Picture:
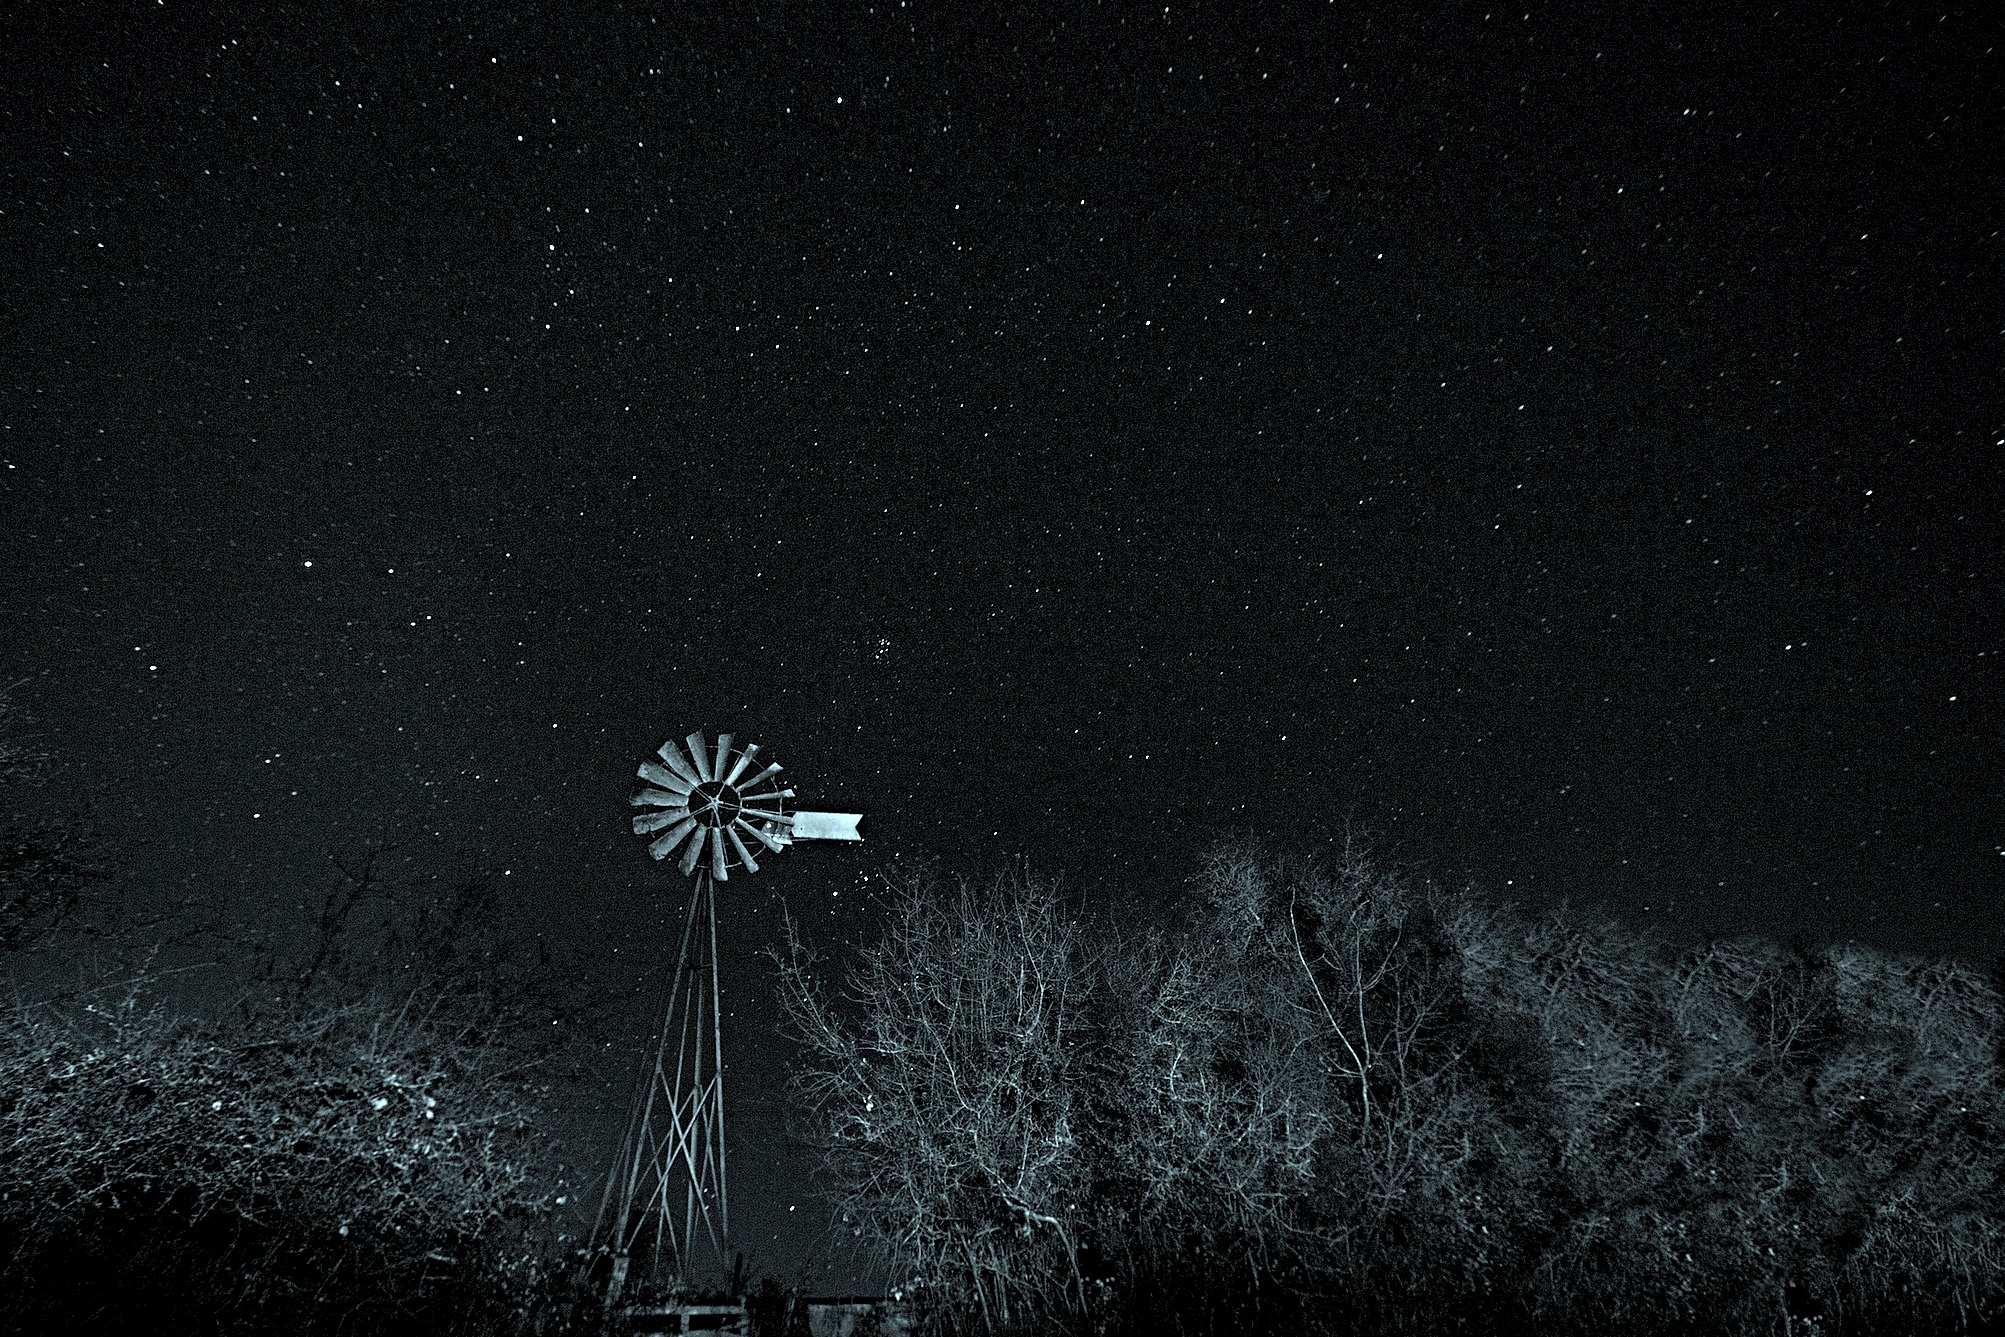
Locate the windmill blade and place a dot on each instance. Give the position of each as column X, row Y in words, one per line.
column 717, row 868
column 655, row 775
column 663, row 846
column 657, row 798
column 671, row 754
column 764, row 839
column 764, row 794
column 752, row 782
column 654, row 821
column 744, row 760
column 723, row 755
column 695, row 850
column 696, row 750
column 744, row 855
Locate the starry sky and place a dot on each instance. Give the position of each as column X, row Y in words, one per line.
column 1564, row 442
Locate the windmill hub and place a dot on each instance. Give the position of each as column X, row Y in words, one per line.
column 715, row 804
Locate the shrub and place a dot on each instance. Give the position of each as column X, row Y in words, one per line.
column 340, row 1170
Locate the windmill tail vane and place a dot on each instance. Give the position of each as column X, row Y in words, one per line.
column 717, row 805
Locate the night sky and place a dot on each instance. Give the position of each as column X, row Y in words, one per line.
column 1564, row 443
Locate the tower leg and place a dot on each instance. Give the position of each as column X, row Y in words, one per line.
column 668, row 1176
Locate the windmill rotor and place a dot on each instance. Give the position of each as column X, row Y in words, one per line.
column 716, row 805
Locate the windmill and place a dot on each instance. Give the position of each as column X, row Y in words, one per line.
column 665, row 1194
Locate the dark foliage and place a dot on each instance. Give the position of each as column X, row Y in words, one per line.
column 1333, row 1100
column 352, row 1147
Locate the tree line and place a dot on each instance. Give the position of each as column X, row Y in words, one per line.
column 1329, row 1098
column 1323, row 1097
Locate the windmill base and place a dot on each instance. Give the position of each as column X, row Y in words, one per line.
column 681, row 1318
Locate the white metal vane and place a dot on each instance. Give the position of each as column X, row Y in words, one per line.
column 667, row 1182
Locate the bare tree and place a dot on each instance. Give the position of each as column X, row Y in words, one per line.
column 1375, row 1145
column 1915, row 1102
column 345, row 1161
column 1331, row 1097
column 1209, row 1125
column 1339, row 962
column 941, row 1084
column 355, row 1144
column 1738, row 1127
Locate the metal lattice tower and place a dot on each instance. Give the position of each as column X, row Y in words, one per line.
column 665, row 1195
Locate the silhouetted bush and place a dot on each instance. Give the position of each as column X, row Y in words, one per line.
column 351, row 1147
column 336, row 1170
